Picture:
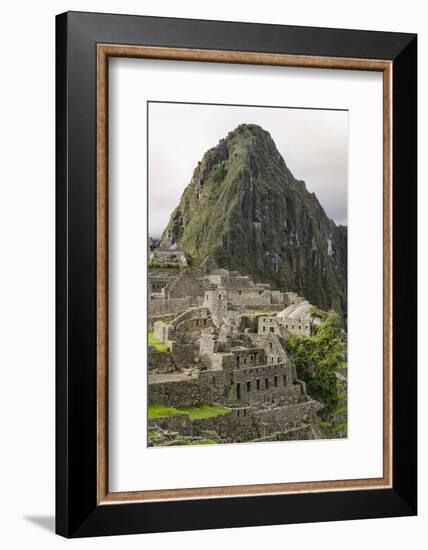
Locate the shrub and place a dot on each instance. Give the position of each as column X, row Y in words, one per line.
column 324, row 350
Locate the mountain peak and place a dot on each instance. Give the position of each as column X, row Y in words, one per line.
column 250, row 134
column 249, row 129
column 244, row 208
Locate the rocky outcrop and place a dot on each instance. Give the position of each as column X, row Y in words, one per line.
column 245, row 210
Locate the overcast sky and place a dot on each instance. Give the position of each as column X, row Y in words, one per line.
column 313, row 143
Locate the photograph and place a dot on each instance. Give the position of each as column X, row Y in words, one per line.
column 247, row 273
column 213, row 262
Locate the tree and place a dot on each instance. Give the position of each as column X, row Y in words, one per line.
column 324, row 351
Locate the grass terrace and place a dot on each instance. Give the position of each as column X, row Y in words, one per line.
column 184, row 441
column 204, row 411
column 156, row 410
column 163, row 265
column 153, row 341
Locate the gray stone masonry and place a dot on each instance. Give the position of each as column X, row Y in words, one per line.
column 161, row 331
column 161, row 361
column 216, row 302
column 186, row 284
column 184, row 392
column 166, row 288
column 277, row 324
column 299, row 327
column 163, row 306
column 226, row 349
column 169, row 256
column 247, row 424
column 165, row 318
column 183, row 355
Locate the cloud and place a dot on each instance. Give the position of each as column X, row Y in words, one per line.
column 314, row 144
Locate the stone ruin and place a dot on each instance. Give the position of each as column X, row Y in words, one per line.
column 225, row 337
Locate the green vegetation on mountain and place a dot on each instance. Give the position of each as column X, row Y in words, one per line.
column 244, row 208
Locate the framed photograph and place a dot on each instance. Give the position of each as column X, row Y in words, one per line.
column 236, row 274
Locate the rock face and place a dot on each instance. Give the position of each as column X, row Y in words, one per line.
column 244, row 208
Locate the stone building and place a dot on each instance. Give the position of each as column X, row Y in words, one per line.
column 225, row 337
column 251, row 375
column 171, row 256
column 216, row 302
column 285, row 326
column 186, row 284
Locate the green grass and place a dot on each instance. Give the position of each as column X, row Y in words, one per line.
column 163, row 265
column 156, row 410
column 153, row 341
column 184, row 441
column 339, row 426
column 203, row 411
column 324, row 424
column 341, row 409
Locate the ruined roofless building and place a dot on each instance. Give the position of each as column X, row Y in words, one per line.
column 221, row 352
column 216, row 302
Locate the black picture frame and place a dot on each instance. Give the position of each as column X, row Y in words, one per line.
column 77, row 511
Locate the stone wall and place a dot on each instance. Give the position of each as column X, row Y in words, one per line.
column 181, row 393
column 268, row 384
column 180, row 356
column 229, row 427
column 185, row 285
column 183, row 355
column 223, row 361
column 277, row 297
column 275, row 353
column 160, row 279
column 161, row 331
column 157, row 285
column 192, row 313
column 283, row 418
column 303, row 432
column 249, row 357
column 292, row 298
column 169, row 256
column 268, row 325
column 265, row 308
column 208, row 344
column 162, row 306
column 246, row 424
column 194, row 325
column 180, row 423
column 216, row 302
column 250, row 299
column 161, row 361
column 165, row 318
column 296, row 326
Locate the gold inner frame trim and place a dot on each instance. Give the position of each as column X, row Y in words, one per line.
column 104, row 51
